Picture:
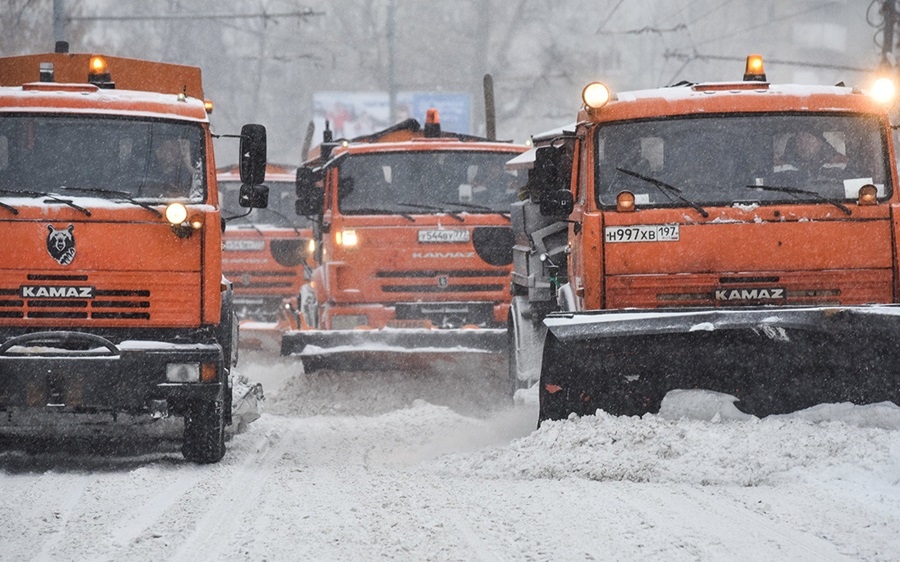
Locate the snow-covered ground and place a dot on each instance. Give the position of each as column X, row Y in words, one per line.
column 386, row 467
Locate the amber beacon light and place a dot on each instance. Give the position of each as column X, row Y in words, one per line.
column 754, row 71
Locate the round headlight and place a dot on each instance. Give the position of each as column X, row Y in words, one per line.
column 176, row 213
column 595, row 95
column 883, row 90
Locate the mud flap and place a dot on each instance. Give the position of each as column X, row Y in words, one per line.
column 247, row 398
column 772, row 360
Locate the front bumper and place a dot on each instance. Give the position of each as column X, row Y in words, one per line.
column 47, row 372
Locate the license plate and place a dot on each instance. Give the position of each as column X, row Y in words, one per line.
column 443, row 236
column 244, row 245
column 642, row 233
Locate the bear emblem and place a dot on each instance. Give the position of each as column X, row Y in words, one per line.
column 61, row 244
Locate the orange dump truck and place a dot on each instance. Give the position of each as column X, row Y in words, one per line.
column 112, row 300
column 414, row 250
column 267, row 253
column 734, row 237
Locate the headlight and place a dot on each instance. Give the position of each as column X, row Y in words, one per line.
column 346, row 238
column 595, row 95
column 176, row 213
column 183, row 372
column 883, row 90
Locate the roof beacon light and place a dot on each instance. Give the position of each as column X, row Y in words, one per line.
column 432, row 124
column 755, row 72
column 98, row 73
column 208, row 105
column 883, row 90
column 595, row 95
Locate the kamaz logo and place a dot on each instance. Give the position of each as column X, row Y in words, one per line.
column 443, row 255
column 55, row 292
column 749, row 294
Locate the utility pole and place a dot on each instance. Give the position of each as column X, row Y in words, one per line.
column 60, row 33
column 392, row 77
column 889, row 13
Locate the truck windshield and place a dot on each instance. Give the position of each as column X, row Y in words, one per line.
column 720, row 159
column 280, row 212
column 105, row 157
column 458, row 181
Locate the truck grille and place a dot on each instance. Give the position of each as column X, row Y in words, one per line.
column 262, row 279
column 448, row 281
column 446, row 315
column 114, row 304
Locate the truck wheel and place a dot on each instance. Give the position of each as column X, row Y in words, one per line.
column 204, row 433
column 515, row 383
column 309, row 308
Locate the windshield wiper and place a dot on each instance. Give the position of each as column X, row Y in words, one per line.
column 476, row 207
column 799, row 191
column 121, row 194
column 52, row 197
column 666, row 189
column 10, row 208
column 434, row 209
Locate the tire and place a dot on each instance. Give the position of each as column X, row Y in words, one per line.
column 514, row 383
column 204, row 433
column 309, row 307
column 525, row 336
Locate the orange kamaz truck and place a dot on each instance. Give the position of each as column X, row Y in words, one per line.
column 112, row 300
column 413, row 242
column 735, row 237
column 267, row 254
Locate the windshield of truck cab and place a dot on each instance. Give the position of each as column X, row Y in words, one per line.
column 102, row 157
column 280, row 212
column 425, row 182
column 712, row 159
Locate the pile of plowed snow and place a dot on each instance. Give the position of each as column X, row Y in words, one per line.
column 693, row 444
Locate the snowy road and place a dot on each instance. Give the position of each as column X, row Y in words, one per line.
column 378, row 469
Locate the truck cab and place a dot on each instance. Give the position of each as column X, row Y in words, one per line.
column 413, row 241
column 112, row 300
column 736, row 237
column 268, row 253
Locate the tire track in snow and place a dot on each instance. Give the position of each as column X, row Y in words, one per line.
column 224, row 515
column 145, row 515
column 67, row 506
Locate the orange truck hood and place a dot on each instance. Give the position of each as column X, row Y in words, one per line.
column 118, row 267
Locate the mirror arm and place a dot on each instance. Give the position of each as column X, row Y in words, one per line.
column 226, row 219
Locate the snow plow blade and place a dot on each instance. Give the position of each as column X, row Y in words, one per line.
column 772, row 360
column 261, row 336
column 398, row 349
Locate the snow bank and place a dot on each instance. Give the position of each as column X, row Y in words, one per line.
column 699, row 442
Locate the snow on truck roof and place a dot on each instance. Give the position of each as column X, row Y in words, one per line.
column 58, row 98
column 100, row 84
column 732, row 97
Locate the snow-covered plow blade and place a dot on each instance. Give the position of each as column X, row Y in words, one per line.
column 261, row 336
column 772, row 360
column 419, row 350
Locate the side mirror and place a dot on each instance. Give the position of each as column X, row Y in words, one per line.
column 254, row 196
column 548, row 173
column 310, row 196
column 253, row 154
column 559, row 203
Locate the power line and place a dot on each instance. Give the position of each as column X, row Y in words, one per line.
column 303, row 14
column 697, row 56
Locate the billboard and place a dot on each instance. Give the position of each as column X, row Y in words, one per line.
column 353, row 114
